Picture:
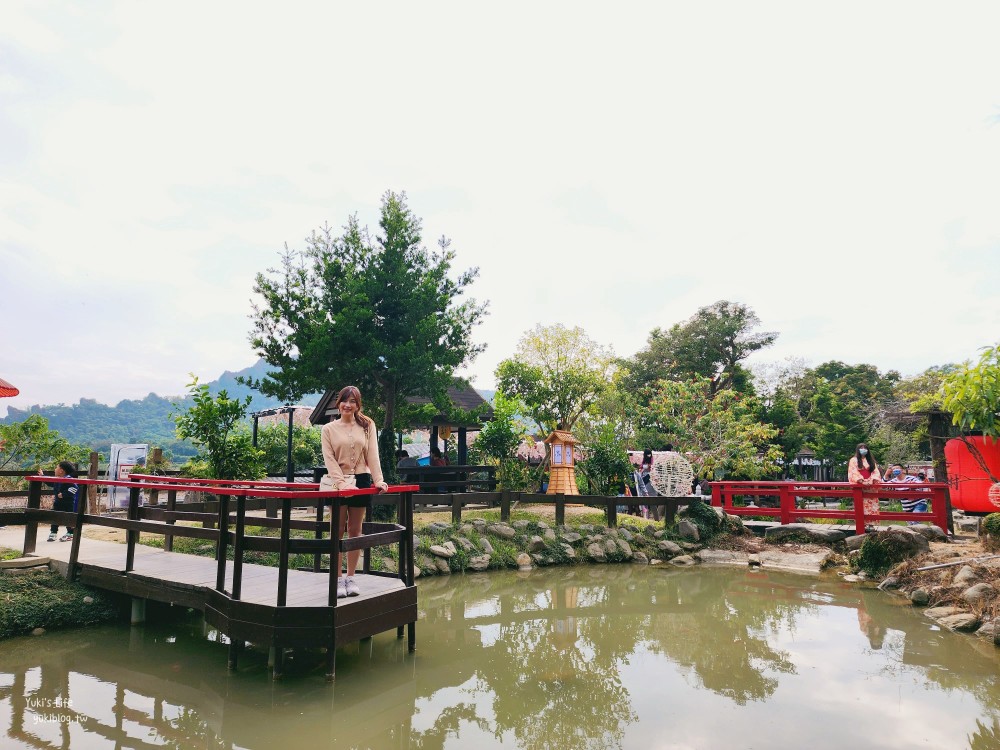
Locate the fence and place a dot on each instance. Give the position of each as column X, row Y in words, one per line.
column 791, row 494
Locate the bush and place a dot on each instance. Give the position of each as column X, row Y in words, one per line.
column 991, row 530
column 879, row 553
column 705, row 518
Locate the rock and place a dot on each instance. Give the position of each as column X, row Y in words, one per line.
column 549, row 535
column 718, row 511
column 520, row 525
column 416, row 542
column 466, row 528
column 502, row 530
column 570, row 552
column 854, row 542
column 464, row 543
column 965, row 576
column 806, row 531
column 88, row 600
column 626, row 535
column 930, row 532
column 988, row 630
column 722, row 557
column 439, row 527
column 450, row 545
column 920, row 597
column 442, row 565
column 610, row 547
column 626, row 549
column 424, row 561
column 964, row 622
column 417, row 572
column 936, row 613
column 38, row 631
column 613, row 533
column 596, row 552
column 524, row 561
column 671, row 548
column 536, row 544
column 658, row 534
column 542, row 526
column 640, row 558
column 541, row 560
column 802, row 562
column 853, row 579
column 690, row 546
column 978, row 593
column 688, row 530
column 487, row 547
column 439, row 550
column 479, row 523
column 479, row 562
column 586, row 527
column 754, row 560
column 571, row 537
column 683, row 561
column 655, row 561
column 913, row 542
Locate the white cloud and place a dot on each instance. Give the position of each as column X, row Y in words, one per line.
column 609, row 168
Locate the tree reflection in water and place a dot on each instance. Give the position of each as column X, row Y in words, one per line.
column 557, row 658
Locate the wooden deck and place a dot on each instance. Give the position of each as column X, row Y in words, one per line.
column 276, row 607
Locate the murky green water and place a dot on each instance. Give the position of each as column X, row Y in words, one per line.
column 611, row 656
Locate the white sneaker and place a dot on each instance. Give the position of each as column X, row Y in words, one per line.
column 342, row 588
column 352, row 587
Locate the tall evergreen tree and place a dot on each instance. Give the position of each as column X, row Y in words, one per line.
column 382, row 313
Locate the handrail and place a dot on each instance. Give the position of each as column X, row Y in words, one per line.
column 382, row 534
column 787, row 511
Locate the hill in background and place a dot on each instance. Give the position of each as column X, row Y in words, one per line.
column 141, row 421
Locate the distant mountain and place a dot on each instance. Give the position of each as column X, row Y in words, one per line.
column 141, row 421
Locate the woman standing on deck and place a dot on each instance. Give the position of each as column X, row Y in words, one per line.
column 350, row 452
column 862, row 469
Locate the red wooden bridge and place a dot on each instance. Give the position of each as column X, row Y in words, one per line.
column 265, row 605
column 789, row 502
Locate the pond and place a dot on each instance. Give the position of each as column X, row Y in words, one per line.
column 611, row 656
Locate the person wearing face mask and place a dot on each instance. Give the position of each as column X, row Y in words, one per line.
column 863, row 469
column 898, row 475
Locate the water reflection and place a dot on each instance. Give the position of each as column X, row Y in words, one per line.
column 616, row 656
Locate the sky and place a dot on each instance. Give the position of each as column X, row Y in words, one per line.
column 612, row 166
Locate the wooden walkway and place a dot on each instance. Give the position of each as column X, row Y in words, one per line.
column 271, row 606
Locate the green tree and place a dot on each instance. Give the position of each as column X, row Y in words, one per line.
column 721, row 432
column 31, row 445
column 381, row 312
column 606, row 464
column 214, row 425
column 711, row 344
column 558, row 373
column 307, row 448
column 972, row 395
column 498, row 441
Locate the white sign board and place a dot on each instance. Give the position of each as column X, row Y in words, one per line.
column 123, row 460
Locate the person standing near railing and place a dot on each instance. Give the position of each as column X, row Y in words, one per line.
column 913, row 503
column 66, row 497
column 350, row 452
column 863, row 469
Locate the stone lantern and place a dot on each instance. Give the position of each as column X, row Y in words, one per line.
column 562, row 466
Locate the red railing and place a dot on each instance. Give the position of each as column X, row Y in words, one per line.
column 744, row 499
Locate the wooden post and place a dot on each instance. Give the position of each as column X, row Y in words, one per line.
column 31, row 527
column 92, row 506
column 168, row 538
column 560, row 509
column 132, row 536
column 456, row 508
column 859, row 509
column 938, row 427
column 785, row 500
column 612, row 511
column 505, row 505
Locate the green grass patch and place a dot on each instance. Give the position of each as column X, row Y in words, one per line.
column 47, row 600
column 9, row 554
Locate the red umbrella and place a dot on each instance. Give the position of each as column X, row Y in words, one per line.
column 6, row 389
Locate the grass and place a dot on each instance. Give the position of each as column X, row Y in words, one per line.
column 9, row 554
column 45, row 599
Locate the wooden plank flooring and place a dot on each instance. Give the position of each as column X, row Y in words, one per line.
column 260, row 582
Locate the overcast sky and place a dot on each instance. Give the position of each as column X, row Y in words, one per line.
column 616, row 166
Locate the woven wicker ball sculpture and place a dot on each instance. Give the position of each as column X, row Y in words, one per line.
column 994, row 495
column 671, row 474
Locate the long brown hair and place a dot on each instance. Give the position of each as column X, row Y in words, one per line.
column 868, row 458
column 351, row 391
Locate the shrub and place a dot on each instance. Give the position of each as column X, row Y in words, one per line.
column 991, row 531
column 879, row 553
column 47, row 600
